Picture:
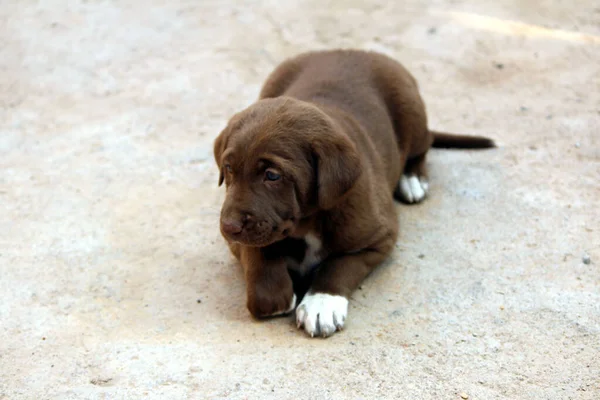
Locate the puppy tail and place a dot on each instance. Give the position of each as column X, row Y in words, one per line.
column 453, row 141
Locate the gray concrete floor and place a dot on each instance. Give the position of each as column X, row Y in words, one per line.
column 109, row 204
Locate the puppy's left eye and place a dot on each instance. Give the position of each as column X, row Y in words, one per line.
column 272, row 175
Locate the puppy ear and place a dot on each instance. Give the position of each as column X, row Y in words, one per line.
column 337, row 170
column 221, row 176
column 219, row 147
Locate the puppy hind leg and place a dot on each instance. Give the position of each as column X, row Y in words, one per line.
column 413, row 185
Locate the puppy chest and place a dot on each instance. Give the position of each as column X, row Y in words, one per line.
column 310, row 257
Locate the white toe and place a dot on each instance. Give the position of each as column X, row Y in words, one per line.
column 322, row 314
column 413, row 189
column 289, row 310
column 292, row 305
column 405, row 189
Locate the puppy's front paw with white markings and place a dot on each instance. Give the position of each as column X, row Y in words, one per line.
column 265, row 305
column 322, row 314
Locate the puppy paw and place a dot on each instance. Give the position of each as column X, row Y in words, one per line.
column 322, row 314
column 291, row 307
column 271, row 306
column 412, row 188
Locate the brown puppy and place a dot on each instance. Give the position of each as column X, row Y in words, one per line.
column 311, row 169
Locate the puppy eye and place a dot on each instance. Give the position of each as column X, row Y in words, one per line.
column 228, row 167
column 272, row 176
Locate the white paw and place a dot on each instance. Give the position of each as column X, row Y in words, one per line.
column 322, row 314
column 412, row 188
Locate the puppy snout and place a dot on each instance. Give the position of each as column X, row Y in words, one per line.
column 232, row 227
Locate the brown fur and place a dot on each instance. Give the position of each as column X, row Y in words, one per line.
column 339, row 127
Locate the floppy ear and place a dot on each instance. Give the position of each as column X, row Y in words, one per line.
column 338, row 167
column 219, row 147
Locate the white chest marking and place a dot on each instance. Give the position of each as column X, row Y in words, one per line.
column 312, row 257
column 313, row 250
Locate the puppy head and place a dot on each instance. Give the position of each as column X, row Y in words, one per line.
column 279, row 159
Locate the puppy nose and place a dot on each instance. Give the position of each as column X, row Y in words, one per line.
column 232, row 227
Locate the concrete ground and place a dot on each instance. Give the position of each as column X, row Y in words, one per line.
column 116, row 284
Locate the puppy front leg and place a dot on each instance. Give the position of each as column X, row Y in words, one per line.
column 324, row 308
column 269, row 286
